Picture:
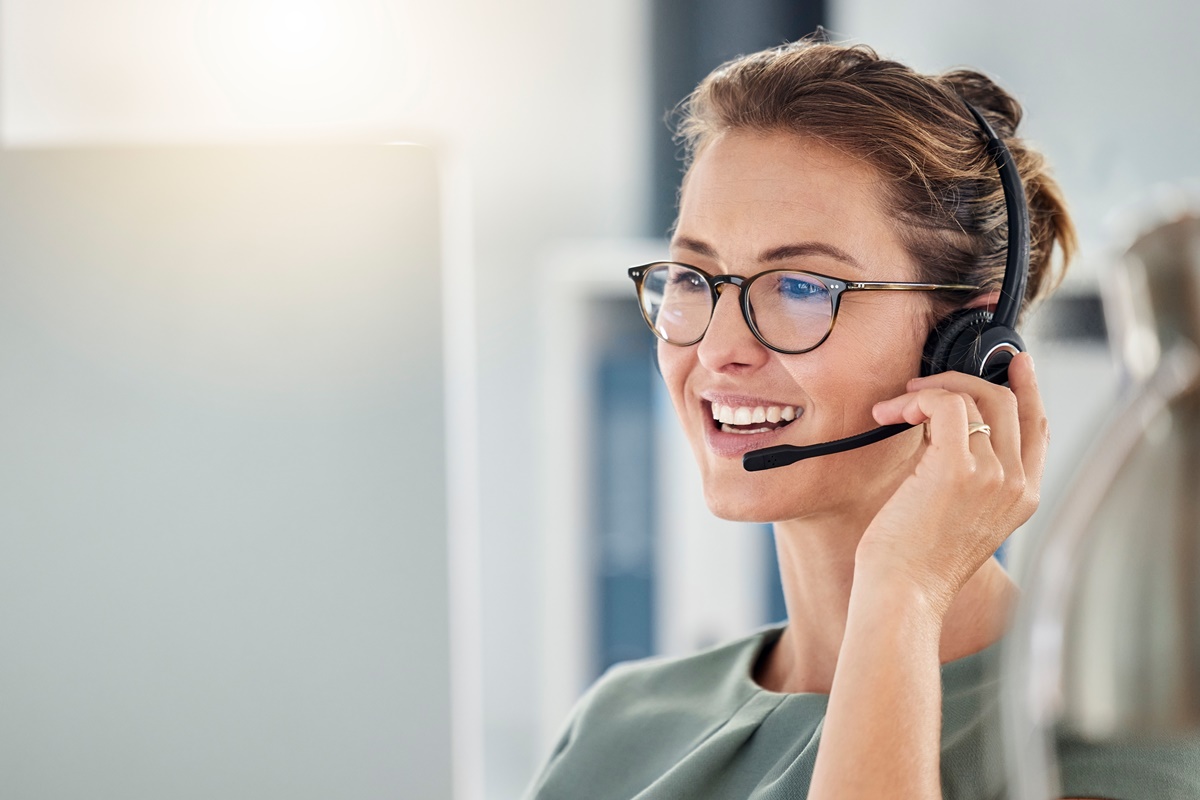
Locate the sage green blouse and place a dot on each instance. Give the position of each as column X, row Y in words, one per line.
column 699, row 727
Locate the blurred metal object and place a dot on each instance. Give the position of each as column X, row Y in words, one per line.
column 1106, row 640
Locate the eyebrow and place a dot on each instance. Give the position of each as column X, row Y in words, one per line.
column 775, row 254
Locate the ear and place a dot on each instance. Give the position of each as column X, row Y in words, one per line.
column 988, row 301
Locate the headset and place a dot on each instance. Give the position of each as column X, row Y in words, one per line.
column 973, row 341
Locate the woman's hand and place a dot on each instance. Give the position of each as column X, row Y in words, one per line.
column 968, row 492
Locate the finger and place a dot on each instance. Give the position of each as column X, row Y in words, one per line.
column 980, row 444
column 998, row 406
column 946, row 412
column 947, row 416
column 1035, row 428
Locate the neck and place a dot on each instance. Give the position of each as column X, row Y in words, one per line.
column 816, row 561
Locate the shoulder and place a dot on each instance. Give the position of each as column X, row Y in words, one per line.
column 649, row 713
column 687, row 691
column 721, row 674
column 647, row 716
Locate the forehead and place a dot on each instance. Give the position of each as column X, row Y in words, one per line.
column 748, row 194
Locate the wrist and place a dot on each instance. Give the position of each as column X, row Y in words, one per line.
column 895, row 592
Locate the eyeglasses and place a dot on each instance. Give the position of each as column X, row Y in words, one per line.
column 788, row 311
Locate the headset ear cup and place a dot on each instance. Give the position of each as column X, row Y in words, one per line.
column 998, row 344
column 954, row 343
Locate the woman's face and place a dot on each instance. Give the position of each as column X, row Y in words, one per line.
column 754, row 202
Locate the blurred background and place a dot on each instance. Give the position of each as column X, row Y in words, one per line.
column 432, row 637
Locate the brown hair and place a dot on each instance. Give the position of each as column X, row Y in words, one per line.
column 916, row 131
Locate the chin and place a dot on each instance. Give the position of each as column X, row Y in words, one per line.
column 746, row 502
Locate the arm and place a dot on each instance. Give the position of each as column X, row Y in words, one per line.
column 882, row 731
column 882, row 734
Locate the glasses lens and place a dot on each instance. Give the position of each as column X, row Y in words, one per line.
column 677, row 302
column 792, row 310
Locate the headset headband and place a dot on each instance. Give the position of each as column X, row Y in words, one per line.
column 1016, row 266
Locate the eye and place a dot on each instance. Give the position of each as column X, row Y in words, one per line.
column 801, row 287
column 688, row 280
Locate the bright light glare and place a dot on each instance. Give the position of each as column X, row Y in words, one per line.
column 289, row 61
column 297, row 29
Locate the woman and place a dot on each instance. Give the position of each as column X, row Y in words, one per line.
column 826, row 159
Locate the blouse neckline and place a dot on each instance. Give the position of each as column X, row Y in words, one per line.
column 958, row 675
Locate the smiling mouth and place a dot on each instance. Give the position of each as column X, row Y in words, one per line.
column 752, row 419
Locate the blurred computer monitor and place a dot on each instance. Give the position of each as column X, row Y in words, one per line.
column 223, row 555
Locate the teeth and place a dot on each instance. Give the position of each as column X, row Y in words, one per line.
column 728, row 429
column 746, row 415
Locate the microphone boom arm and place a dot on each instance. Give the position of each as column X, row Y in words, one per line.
column 784, row 454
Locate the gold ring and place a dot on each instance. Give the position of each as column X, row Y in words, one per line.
column 979, row 427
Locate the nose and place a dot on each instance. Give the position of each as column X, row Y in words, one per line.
column 729, row 346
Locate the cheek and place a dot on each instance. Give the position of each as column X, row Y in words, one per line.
column 675, row 364
column 894, row 338
column 865, row 364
